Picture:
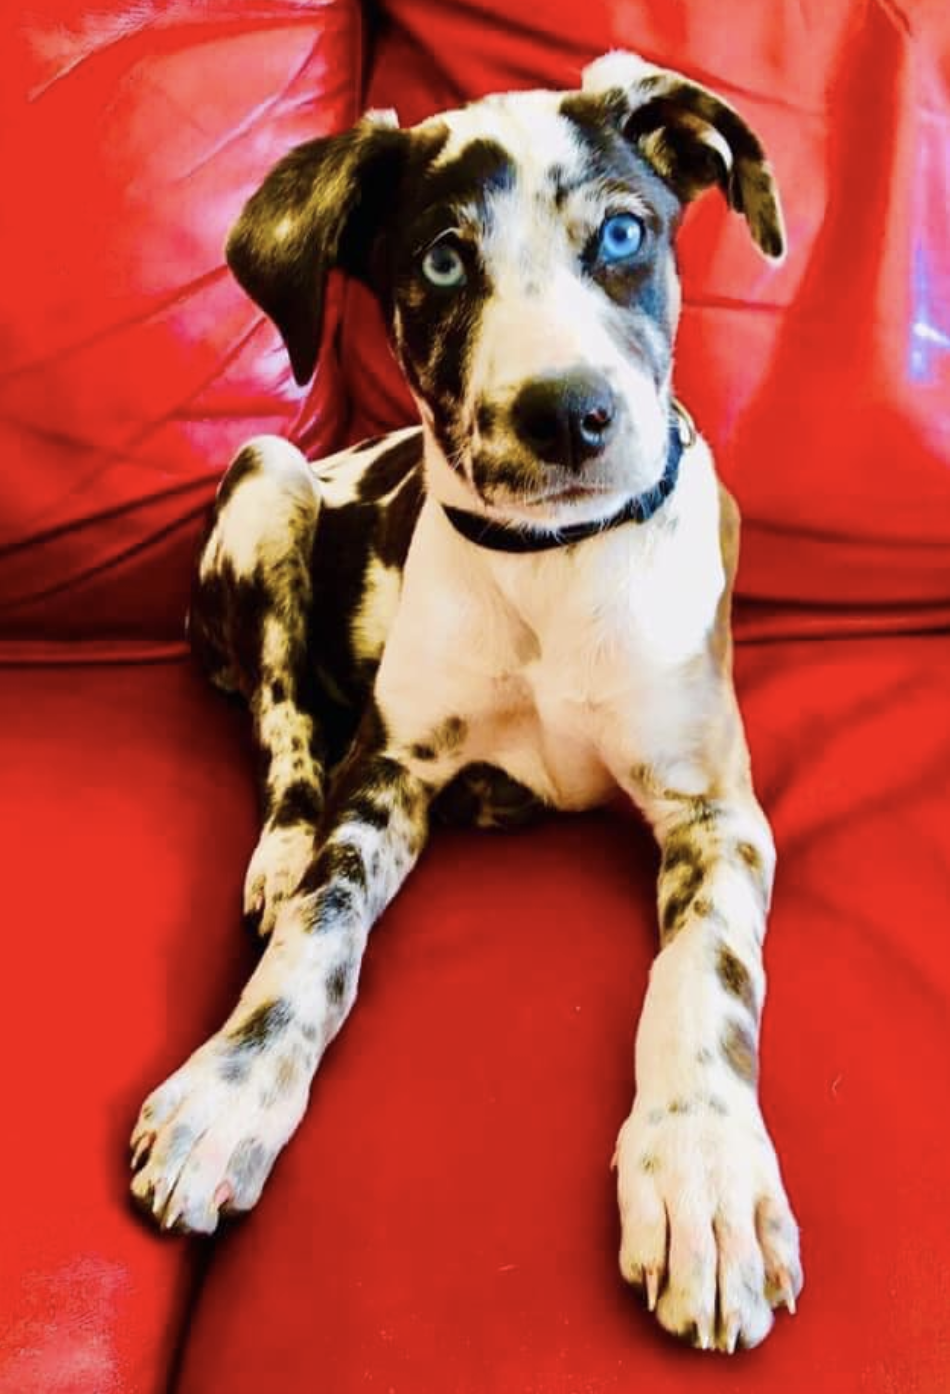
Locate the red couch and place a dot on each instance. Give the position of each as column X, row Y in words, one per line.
column 444, row 1223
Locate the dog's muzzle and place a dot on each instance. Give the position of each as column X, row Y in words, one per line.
column 506, row 537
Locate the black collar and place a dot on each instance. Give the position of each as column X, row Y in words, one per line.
column 505, row 537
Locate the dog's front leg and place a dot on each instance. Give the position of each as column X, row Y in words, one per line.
column 207, row 1138
column 707, row 1231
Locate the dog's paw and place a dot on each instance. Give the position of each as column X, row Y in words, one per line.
column 279, row 860
column 206, row 1139
column 708, row 1235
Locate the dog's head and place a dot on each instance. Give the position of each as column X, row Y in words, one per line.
column 522, row 250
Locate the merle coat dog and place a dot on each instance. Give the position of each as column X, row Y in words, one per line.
column 521, row 603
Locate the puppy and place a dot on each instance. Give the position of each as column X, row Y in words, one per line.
column 522, row 603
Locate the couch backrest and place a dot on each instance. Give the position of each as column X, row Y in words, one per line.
column 131, row 365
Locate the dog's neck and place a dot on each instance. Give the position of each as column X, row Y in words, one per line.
column 498, row 534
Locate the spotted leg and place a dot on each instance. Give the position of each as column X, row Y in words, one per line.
column 708, row 1235
column 249, row 620
column 207, row 1138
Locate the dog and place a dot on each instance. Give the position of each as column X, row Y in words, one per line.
column 522, row 603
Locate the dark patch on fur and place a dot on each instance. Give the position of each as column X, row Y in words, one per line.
column 300, row 802
column 364, row 808
column 739, row 1051
column 264, row 1025
column 278, row 692
column 681, row 1106
column 337, row 983
column 492, row 476
column 735, row 977
column 486, row 417
column 751, row 857
column 235, row 1067
column 484, row 796
column 248, row 1168
column 482, row 167
column 398, row 521
column 226, row 625
column 390, row 468
column 344, row 861
column 336, row 900
column 444, row 740
column 683, row 861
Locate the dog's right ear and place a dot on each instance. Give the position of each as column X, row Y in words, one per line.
column 321, row 207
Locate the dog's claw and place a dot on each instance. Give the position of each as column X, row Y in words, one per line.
column 704, row 1335
column 652, row 1282
column 141, row 1148
column 730, row 1332
column 786, row 1292
column 223, row 1195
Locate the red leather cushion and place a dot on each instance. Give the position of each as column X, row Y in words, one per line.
column 824, row 385
column 444, row 1222
column 131, row 365
column 128, row 812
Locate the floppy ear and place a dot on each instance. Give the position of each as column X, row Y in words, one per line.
column 692, row 139
column 319, row 208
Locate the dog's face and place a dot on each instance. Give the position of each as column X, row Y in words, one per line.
column 522, row 249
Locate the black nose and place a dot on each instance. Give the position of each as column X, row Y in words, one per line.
column 565, row 418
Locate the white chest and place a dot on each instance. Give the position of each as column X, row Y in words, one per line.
column 567, row 666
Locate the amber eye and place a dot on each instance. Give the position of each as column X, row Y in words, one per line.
column 442, row 266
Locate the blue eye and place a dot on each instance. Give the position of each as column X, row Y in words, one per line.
column 443, row 266
column 620, row 237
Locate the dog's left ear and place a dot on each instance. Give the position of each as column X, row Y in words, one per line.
column 693, row 139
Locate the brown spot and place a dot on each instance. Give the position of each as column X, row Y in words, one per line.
column 422, row 751
column 702, row 810
column 681, row 1106
column 649, row 1163
column 750, row 855
column 735, row 977
column 683, row 862
column 739, row 1050
column 752, row 858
